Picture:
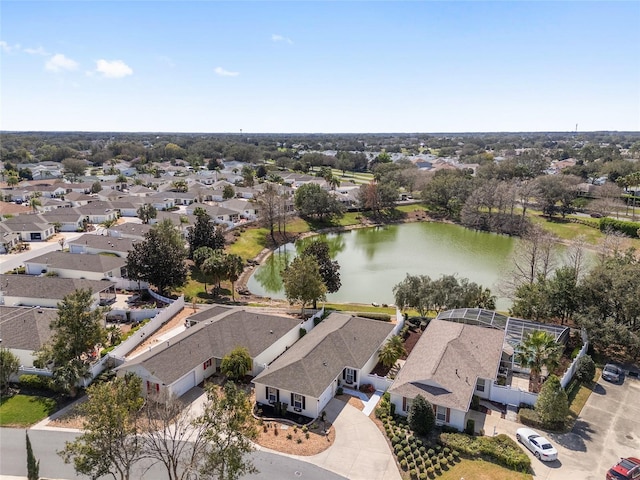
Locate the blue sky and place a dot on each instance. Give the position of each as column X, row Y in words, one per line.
column 301, row 66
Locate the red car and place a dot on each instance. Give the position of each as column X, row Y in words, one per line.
column 626, row 469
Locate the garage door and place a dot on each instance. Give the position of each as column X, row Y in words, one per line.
column 185, row 384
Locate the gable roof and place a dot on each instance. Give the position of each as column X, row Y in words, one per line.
column 80, row 262
column 29, row 286
column 446, row 362
column 215, row 337
column 315, row 360
column 26, row 328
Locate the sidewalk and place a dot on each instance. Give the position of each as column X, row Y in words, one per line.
column 369, row 403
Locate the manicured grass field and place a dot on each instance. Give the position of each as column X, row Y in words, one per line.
column 25, row 410
column 568, row 230
column 481, row 470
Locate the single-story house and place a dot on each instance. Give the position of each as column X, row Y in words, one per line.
column 67, row 220
column 245, row 208
column 95, row 244
column 30, row 291
column 8, row 239
column 448, row 365
column 69, row 265
column 190, row 357
column 220, row 215
column 24, row 330
column 97, row 214
column 136, row 231
column 341, row 350
column 30, row 227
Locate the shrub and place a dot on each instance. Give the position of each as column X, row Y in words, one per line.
column 403, row 464
column 421, row 417
column 443, row 462
column 529, row 417
column 413, row 473
column 501, row 448
column 628, row 228
column 407, row 449
column 422, row 476
column 385, row 317
column 431, row 452
column 401, row 455
column 289, row 436
column 35, row 381
column 471, row 426
column 303, row 332
column 395, row 441
column 585, row 369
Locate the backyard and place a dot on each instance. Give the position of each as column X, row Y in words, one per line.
column 22, row 410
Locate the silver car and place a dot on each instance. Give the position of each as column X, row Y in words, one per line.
column 611, row 373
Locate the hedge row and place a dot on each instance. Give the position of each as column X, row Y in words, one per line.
column 500, row 448
column 530, row 418
column 385, row 317
column 628, row 228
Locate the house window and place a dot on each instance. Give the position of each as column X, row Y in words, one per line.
column 206, row 364
column 480, row 385
column 297, row 401
column 441, row 414
column 153, row 387
column 272, row 394
column 406, row 403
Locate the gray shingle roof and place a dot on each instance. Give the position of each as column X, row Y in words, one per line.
column 80, row 262
column 115, row 244
column 320, row 356
column 446, row 362
column 213, row 339
column 29, row 286
column 26, row 328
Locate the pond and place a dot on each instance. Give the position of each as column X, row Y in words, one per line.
column 373, row 260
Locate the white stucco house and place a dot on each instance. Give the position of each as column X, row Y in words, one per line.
column 450, row 363
column 184, row 361
column 24, row 330
column 340, row 351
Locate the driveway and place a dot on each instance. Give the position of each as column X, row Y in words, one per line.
column 360, row 451
column 608, row 428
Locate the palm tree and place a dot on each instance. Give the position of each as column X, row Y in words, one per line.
column 392, row 351
column 538, row 349
column 215, row 266
column 235, row 267
column 67, row 376
column 34, row 203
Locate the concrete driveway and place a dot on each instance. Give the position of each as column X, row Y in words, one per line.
column 359, row 452
column 608, row 428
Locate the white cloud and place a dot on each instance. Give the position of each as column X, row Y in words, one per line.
column 279, row 38
column 6, row 48
column 36, row 51
column 113, row 68
column 59, row 62
column 226, row 73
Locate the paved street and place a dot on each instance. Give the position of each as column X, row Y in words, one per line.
column 45, row 444
column 9, row 261
column 608, row 428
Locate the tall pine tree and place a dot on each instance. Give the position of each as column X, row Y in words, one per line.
column 33, row 465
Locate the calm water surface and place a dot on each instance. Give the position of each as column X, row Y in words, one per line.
column 373, row 260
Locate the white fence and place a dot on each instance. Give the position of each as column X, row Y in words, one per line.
column 140, row 336
column 160, row 297
column 380, row 383
column 310, row 322
column 511, row 396
column 568, row 375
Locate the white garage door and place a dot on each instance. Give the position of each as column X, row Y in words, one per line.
column 185, row 384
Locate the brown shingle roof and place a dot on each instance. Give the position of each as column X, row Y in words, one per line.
column 320, row 356
column 446, row 362
column 80, row 262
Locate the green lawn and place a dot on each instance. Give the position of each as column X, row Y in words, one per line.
column 250, row 243
column 568, row 230
column 25, row 410
column 481, row 470
column 578, row 395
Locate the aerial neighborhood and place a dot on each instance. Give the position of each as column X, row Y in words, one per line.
column 363, row 306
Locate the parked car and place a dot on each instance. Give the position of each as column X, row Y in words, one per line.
column 611, row 373
column 540, row 446
column 625, row 469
